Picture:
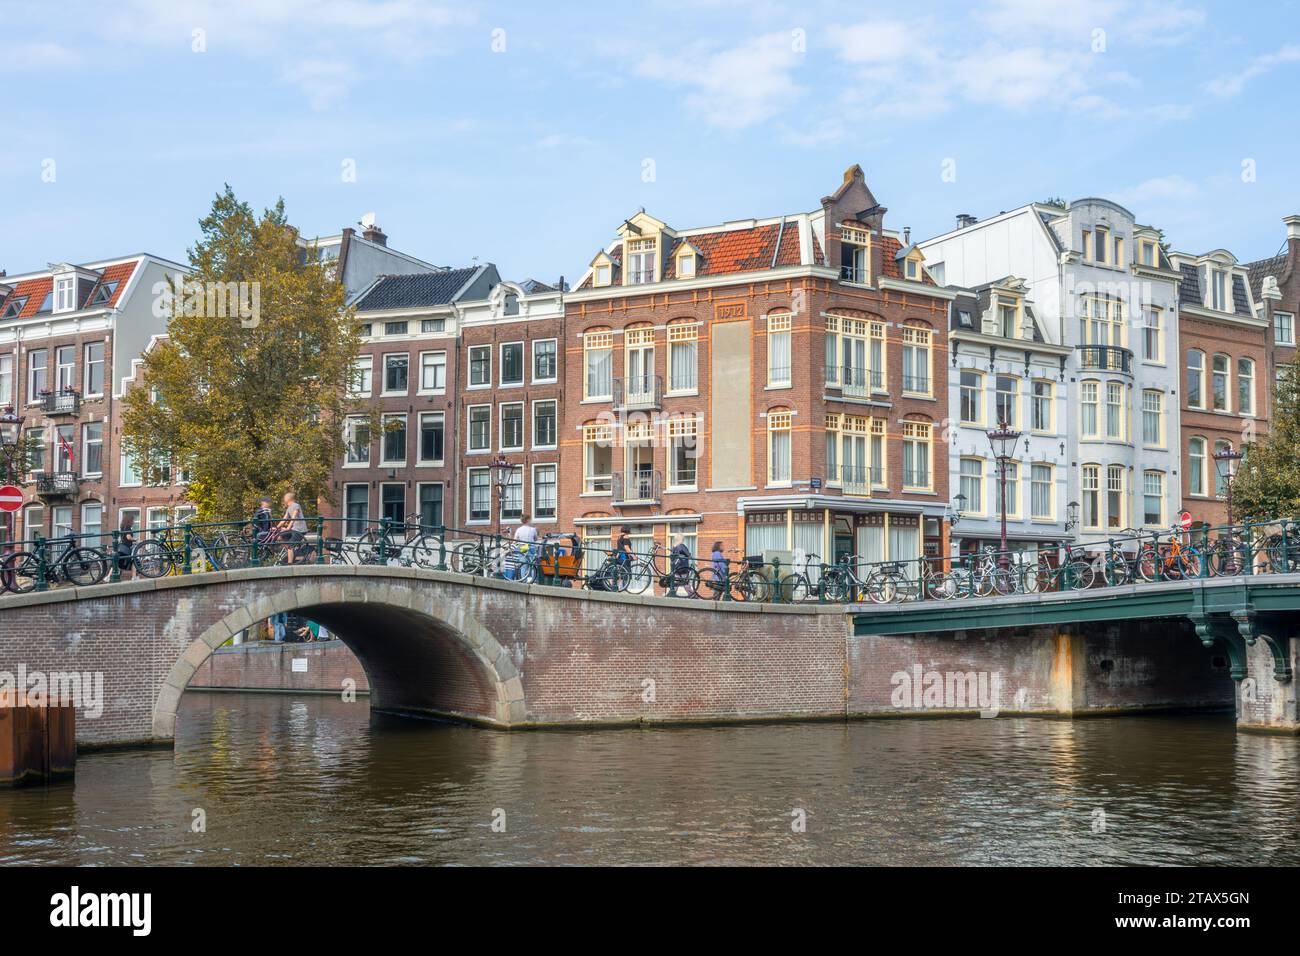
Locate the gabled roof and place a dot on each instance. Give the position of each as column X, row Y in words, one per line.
column 37, row 288
column 418, row 290
column 1274, row 266
column 740, row 250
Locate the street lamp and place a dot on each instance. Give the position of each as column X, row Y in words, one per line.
column 960, row 503
column 1003, row 441
column 502, row 471
column 1227, row 462
column 1071, row 515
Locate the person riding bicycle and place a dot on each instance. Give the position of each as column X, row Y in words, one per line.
column 261, row 522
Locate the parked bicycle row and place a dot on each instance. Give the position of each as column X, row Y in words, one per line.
column 564, row 559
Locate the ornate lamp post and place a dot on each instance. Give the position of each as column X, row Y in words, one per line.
column 1003, row 442
column 1227, row 462
column 502, row 470
column 11, row 459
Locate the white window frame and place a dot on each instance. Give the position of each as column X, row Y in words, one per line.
column 348, row 444
column 383, row 440
column 419, row 440
column 469, row 367
column 555, row 468
column 424, row 357
column 469, row 496
column 556, row 354
column 501, row 426
column 532, row 424
column 363, row 368
column 523, row 373
column 384, row 390
column 470, row 448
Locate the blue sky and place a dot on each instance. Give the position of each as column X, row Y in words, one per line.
column 525, row 133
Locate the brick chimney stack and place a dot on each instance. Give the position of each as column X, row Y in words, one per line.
column 1292, row 236
column 371, row 232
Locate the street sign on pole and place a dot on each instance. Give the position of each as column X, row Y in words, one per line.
column 1185, row 519
column 11, row 498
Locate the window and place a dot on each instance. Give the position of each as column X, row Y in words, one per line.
column 6, row 380
column 479, row 505
column 1091, row 485
column 61, row 521
column 63, row 450
column 1011, row 474
column 1219, row 382
column 1089, row 397
column 394, row 439
column 128, row 470
column 432, row 437
column 972, row 485
column 92, row 522
column 1147, row 252
column 480, row 366
column 430, row 504
column 33, row 520
column 683, row 452
column 512, row 426
column 1196, row 466
column 512, row 504
column 360, row 382
column 433, row 325
column 1101, row 322
column 133, row 512
column 1005, row 399
column 916, row 456
column 65, row 366
column 916, row 360
column 156, row 518
column 1195, row 378
column 1115, row 519
column 544, row 491
column 512, row 364
column 1115, row 411
column 600, row 274
column 1284, row 328
column 1040, row 492
column 1007, row 320
column 395, row 373
column 686, row 265
column 38, row 372
column 855, row 355
column 544, row 360
column 598, row 359
column 1040, row 406
column 597, row 459
column 1153, row 425
column 356, row 437
column 396, row 328
column 433, row 371
column 1100, row 242
column 1245, row 386
column 972, row 390
column 913, row 269
column 640, row 257
column 855, row 255
column 15, row 307
column 682, row 356
column 392, row 502
column 639, row 364
column 94, row 369
column 1220, row 482
column 92, row 448
column 778, row 447
column 64, row 294
column 544, row 424
column 356, row 510
column 480, row 428
column 1218, row 290
column 1153, row 498
column 1152, row 345
column 778, row 349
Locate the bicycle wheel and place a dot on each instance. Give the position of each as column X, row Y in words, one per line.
column 85, row 566
column 21, row 572
column 1003, row 581
column 426, row 551
column 1189, row 563
column 467, row 559
column 152, row 559
column 883, row 588
column 1079, row 575
column 640, row 577
column 834, row 585
column 755, row 586
column 1226, row 559
column 712, row 586
column 1116, row 570
column 1148, row 563
column 230, row 550
column 683, row 583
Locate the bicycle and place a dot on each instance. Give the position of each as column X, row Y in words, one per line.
column 645, row 570
column 157, row 555
column 21, row 570
column 1172, row 560
column 406, row 542
column 613, row 575
column 799, row 586
column 1283, row 550
column 745, row 584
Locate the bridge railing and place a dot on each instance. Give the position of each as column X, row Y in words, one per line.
column 569, row 559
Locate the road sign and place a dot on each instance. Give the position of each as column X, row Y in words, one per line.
column 1185, row 519
column 11, row 498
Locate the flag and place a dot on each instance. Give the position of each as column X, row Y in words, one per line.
column 66, row 447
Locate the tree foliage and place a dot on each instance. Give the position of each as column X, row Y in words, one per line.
column 246, row 406
column 1268, row 482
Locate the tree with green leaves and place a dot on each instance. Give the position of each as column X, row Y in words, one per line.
column 1268, row 481
column 248, row 391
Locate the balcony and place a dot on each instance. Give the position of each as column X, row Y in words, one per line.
column 855, row 274
column 638, row 393
column 56, row 484
column 855, row 382
column 65, row 401
column 1105, row 358
column 859, row 479
column 638, row 488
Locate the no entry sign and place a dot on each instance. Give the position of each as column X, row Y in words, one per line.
column 11, row 497
column 1184, row 519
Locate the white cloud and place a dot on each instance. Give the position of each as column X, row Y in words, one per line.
column 1232, row 84
column 324, row 82
column 878, row 41
column 1149, row 23
column 1162, row 189
column 733, row 88
column 38, row 56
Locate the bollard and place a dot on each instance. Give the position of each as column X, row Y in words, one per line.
column 320, row 540
column 442, row 548
column 115, row 574
column 189, row 556
column 42, row 574
column 383, row 541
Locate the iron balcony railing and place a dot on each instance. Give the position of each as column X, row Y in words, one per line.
column 639, row 392
column 857, row 382
column 919, row 384
column 856, row 274
column 57, row 483
column 1106, row 358
column 638, row 488
column 65, row 401
column 858, row 479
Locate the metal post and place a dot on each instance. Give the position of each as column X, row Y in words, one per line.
column 115, row 574
column 442, row 548
column 320, row 540
column 186, row 566
column 383, row 540
column 42, row 576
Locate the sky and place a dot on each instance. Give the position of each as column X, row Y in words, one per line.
column 525, row 133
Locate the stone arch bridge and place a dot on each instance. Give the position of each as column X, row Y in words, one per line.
column 509, row 655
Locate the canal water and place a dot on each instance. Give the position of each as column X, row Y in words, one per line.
column 311, row 780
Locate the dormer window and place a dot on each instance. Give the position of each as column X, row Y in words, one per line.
column 913, row 265
column 15, row 307
column 913, row 269
column 855, row 255
column 687, row 257
column 65, row 294
column 1008, row 309
column 1147, row 252
column 1218, row 290
column 639, row 259
column 104, row 293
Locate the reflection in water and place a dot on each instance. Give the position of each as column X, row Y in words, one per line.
column 312, row 780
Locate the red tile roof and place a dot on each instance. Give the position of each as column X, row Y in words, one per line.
column 37, row 289
column 740, row 250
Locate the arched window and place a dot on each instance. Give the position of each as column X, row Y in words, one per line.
column 1245, row 386
column 1196, row 465
column 1220, row 383
column 1089, row 410
column 778, row 446
column 1195, row 378
column 683, row 355
column 598, row 360
column 779, row 326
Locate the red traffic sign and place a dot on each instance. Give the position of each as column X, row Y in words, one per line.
column 11, row 498
column 1184, row 519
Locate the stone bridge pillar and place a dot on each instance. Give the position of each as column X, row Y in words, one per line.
column 1266, row 676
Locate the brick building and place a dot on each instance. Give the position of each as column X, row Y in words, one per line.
column 1225, row 398
column 1275, row 286
column 775, row 384
column 68, row 338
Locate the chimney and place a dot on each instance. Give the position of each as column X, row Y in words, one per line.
column 371, row 232
column 965, row 219
column 1292, row 231
column 907, row 235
